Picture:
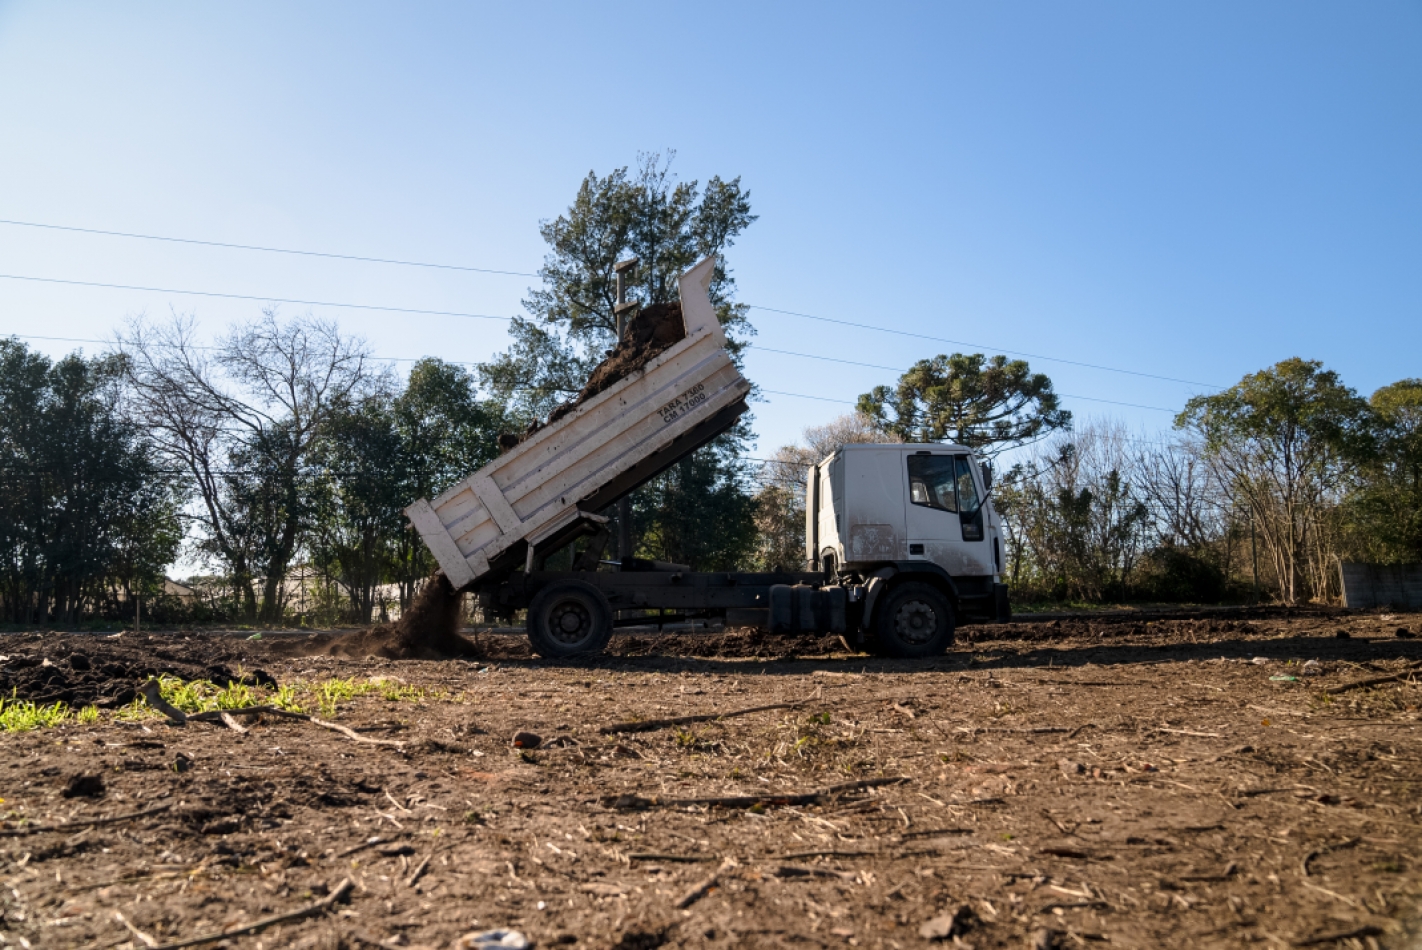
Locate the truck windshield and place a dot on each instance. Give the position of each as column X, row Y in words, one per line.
column 933, row 481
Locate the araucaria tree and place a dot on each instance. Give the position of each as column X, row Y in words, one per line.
column 989, row 404
column 668, row 226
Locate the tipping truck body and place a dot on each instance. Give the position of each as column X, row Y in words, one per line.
column 549, row 489
column 901, row 541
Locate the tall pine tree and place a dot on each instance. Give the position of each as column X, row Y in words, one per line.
column 669, row 226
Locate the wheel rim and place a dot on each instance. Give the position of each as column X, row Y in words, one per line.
column 916, row 622
column 570, row 622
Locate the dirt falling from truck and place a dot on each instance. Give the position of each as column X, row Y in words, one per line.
column 429, row 630
column 652, row 331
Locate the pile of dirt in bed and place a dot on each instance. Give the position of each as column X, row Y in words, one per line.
column 653, row 330
column 429, row 630
column 45, row 668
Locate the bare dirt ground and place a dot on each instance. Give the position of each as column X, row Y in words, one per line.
column 1117, row 783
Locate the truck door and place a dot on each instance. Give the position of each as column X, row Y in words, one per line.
column 943, row 514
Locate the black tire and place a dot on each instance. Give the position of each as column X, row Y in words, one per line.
column 913, row 620
column 569, row 618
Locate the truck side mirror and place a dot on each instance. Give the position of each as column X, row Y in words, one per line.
column 987, row 475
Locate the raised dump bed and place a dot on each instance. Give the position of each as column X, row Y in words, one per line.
column 550, row 488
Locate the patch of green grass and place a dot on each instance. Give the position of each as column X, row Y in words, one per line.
column 196, row 696
column 333, row 691
column 285, row 698
column 17, row 716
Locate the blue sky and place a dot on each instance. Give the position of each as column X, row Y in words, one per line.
column 1190, row 191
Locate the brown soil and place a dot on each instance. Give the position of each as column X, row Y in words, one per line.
column 97, row 671
column 429, row 630
column 653, row 330
column 1119, row 783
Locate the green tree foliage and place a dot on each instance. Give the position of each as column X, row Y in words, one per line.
column 378, row 455
column 84, row 510
column 1282, row 440
column 989, row 404
column 669, row 226
column 362, row 484
column 700, row 514
column 1385, row 505
column 647, row 214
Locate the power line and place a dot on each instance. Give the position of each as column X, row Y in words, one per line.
column 772, row 392
column 382, row 260
column 391, row 359
column 846, row 402
column 982, row 346
column 75, row 339
column 269, row 250
column 484, row 316
column 208, row 293
column 808, row 356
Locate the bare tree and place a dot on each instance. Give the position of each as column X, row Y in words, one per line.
column 1189, row 504
column 241, row 417
column 1075, row 522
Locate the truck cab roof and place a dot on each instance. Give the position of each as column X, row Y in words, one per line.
column 906, row 447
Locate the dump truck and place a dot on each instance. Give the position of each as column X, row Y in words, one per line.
column 902, row 544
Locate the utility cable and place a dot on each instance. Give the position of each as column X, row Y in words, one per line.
column 208, row 293
column 981, row 346
column 75, row 339
column 269, row 250
column 808, row 356
column 482, row 270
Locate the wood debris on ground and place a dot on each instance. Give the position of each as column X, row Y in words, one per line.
column 1188, row 782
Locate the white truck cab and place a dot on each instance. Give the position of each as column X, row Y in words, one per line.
column 907, row 506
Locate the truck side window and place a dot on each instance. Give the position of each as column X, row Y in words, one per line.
column 967, row 490
column 968, row 498
column 932, row 482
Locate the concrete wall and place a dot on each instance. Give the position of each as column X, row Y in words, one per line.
column 1377, row 585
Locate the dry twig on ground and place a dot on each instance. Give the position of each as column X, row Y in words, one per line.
column 310, row 910
column 651, row 725
column 86, row 823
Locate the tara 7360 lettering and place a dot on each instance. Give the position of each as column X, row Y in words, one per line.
column 690, row 399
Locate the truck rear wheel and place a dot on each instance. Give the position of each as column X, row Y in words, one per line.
column 915, row 620
column 569, row 618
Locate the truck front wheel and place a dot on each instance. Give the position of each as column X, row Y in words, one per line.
column 914, row 620
column 569, row 618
